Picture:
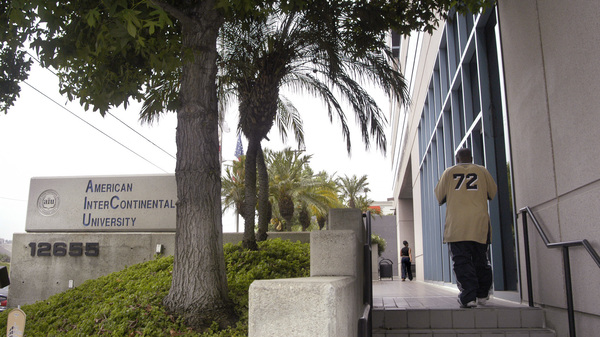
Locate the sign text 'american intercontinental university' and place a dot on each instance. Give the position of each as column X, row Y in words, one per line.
column 143, row 203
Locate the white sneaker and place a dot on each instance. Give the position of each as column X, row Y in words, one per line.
column 483, row 300
column 471, row 304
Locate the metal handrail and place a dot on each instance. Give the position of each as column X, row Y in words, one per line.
column 364, row 329
column 365, row 323
column 566, row 262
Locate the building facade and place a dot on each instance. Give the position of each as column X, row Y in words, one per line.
column 518, row 85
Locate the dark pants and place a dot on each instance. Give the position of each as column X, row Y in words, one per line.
column 406, row 268
column 472, row 269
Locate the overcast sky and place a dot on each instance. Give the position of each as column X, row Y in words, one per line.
column 44, row 135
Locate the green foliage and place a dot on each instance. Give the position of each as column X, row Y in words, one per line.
column 381, row 244
column 117, row 304
column 405, row 16
column 293, row 184
column 108, row 52
column 275, row 258
column 14, row 68
column 128, row 302
column 351, row 187
column 14, row 65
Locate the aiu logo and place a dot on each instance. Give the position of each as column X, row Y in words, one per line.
column 48, row 202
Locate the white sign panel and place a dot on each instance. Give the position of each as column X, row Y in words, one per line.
column 102, row 203
column 15, row 326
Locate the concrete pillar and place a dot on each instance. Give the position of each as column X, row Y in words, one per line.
column 349, row 219
column 326, row 304
column 302, row 307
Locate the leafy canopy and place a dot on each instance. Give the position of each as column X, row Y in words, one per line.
column 107, row 52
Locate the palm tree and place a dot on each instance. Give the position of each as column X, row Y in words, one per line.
column 364, row 204
column 351, row 187
column 287, row 117
column 287, row 176
column 328, row 188
column 292, row 184
column 310, row 52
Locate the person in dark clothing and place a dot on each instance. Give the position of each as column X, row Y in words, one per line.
column 466, row 189
column 406, row 261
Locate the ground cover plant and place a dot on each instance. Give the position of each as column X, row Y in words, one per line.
column 128, row 302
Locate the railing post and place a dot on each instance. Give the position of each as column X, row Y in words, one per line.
column 566, row 263
column 568, row 285
column 527, row 259
column 365, row 324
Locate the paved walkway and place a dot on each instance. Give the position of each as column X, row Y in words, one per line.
column 422, row 295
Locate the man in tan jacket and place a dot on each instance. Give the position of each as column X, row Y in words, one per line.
column 466, row 189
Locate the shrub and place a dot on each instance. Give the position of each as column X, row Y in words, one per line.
column 376, row 239
column 274, row 259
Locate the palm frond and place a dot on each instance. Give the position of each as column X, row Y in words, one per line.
column 288, row 117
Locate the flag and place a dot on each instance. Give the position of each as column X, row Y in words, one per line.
column 239, row 149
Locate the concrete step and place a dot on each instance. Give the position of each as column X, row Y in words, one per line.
column 507, row 332
column 474, row 318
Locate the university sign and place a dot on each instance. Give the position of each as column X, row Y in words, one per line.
column 81, row 228
column 102, row 203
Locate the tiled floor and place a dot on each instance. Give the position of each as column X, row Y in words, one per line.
column 422, row 295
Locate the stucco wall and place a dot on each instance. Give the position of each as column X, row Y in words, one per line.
column 552, row 84
column 385, row 227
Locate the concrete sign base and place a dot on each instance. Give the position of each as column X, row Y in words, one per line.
column 44, row 264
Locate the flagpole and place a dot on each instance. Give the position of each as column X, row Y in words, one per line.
column 239, row 151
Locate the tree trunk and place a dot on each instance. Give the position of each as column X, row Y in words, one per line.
column 286, row 210
column 199, row 287
column 258, row 106
column 264, row 207
column 321, row 221
column 304, row 218
column 249, row 239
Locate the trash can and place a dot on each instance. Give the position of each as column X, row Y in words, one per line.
column 385, row 269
